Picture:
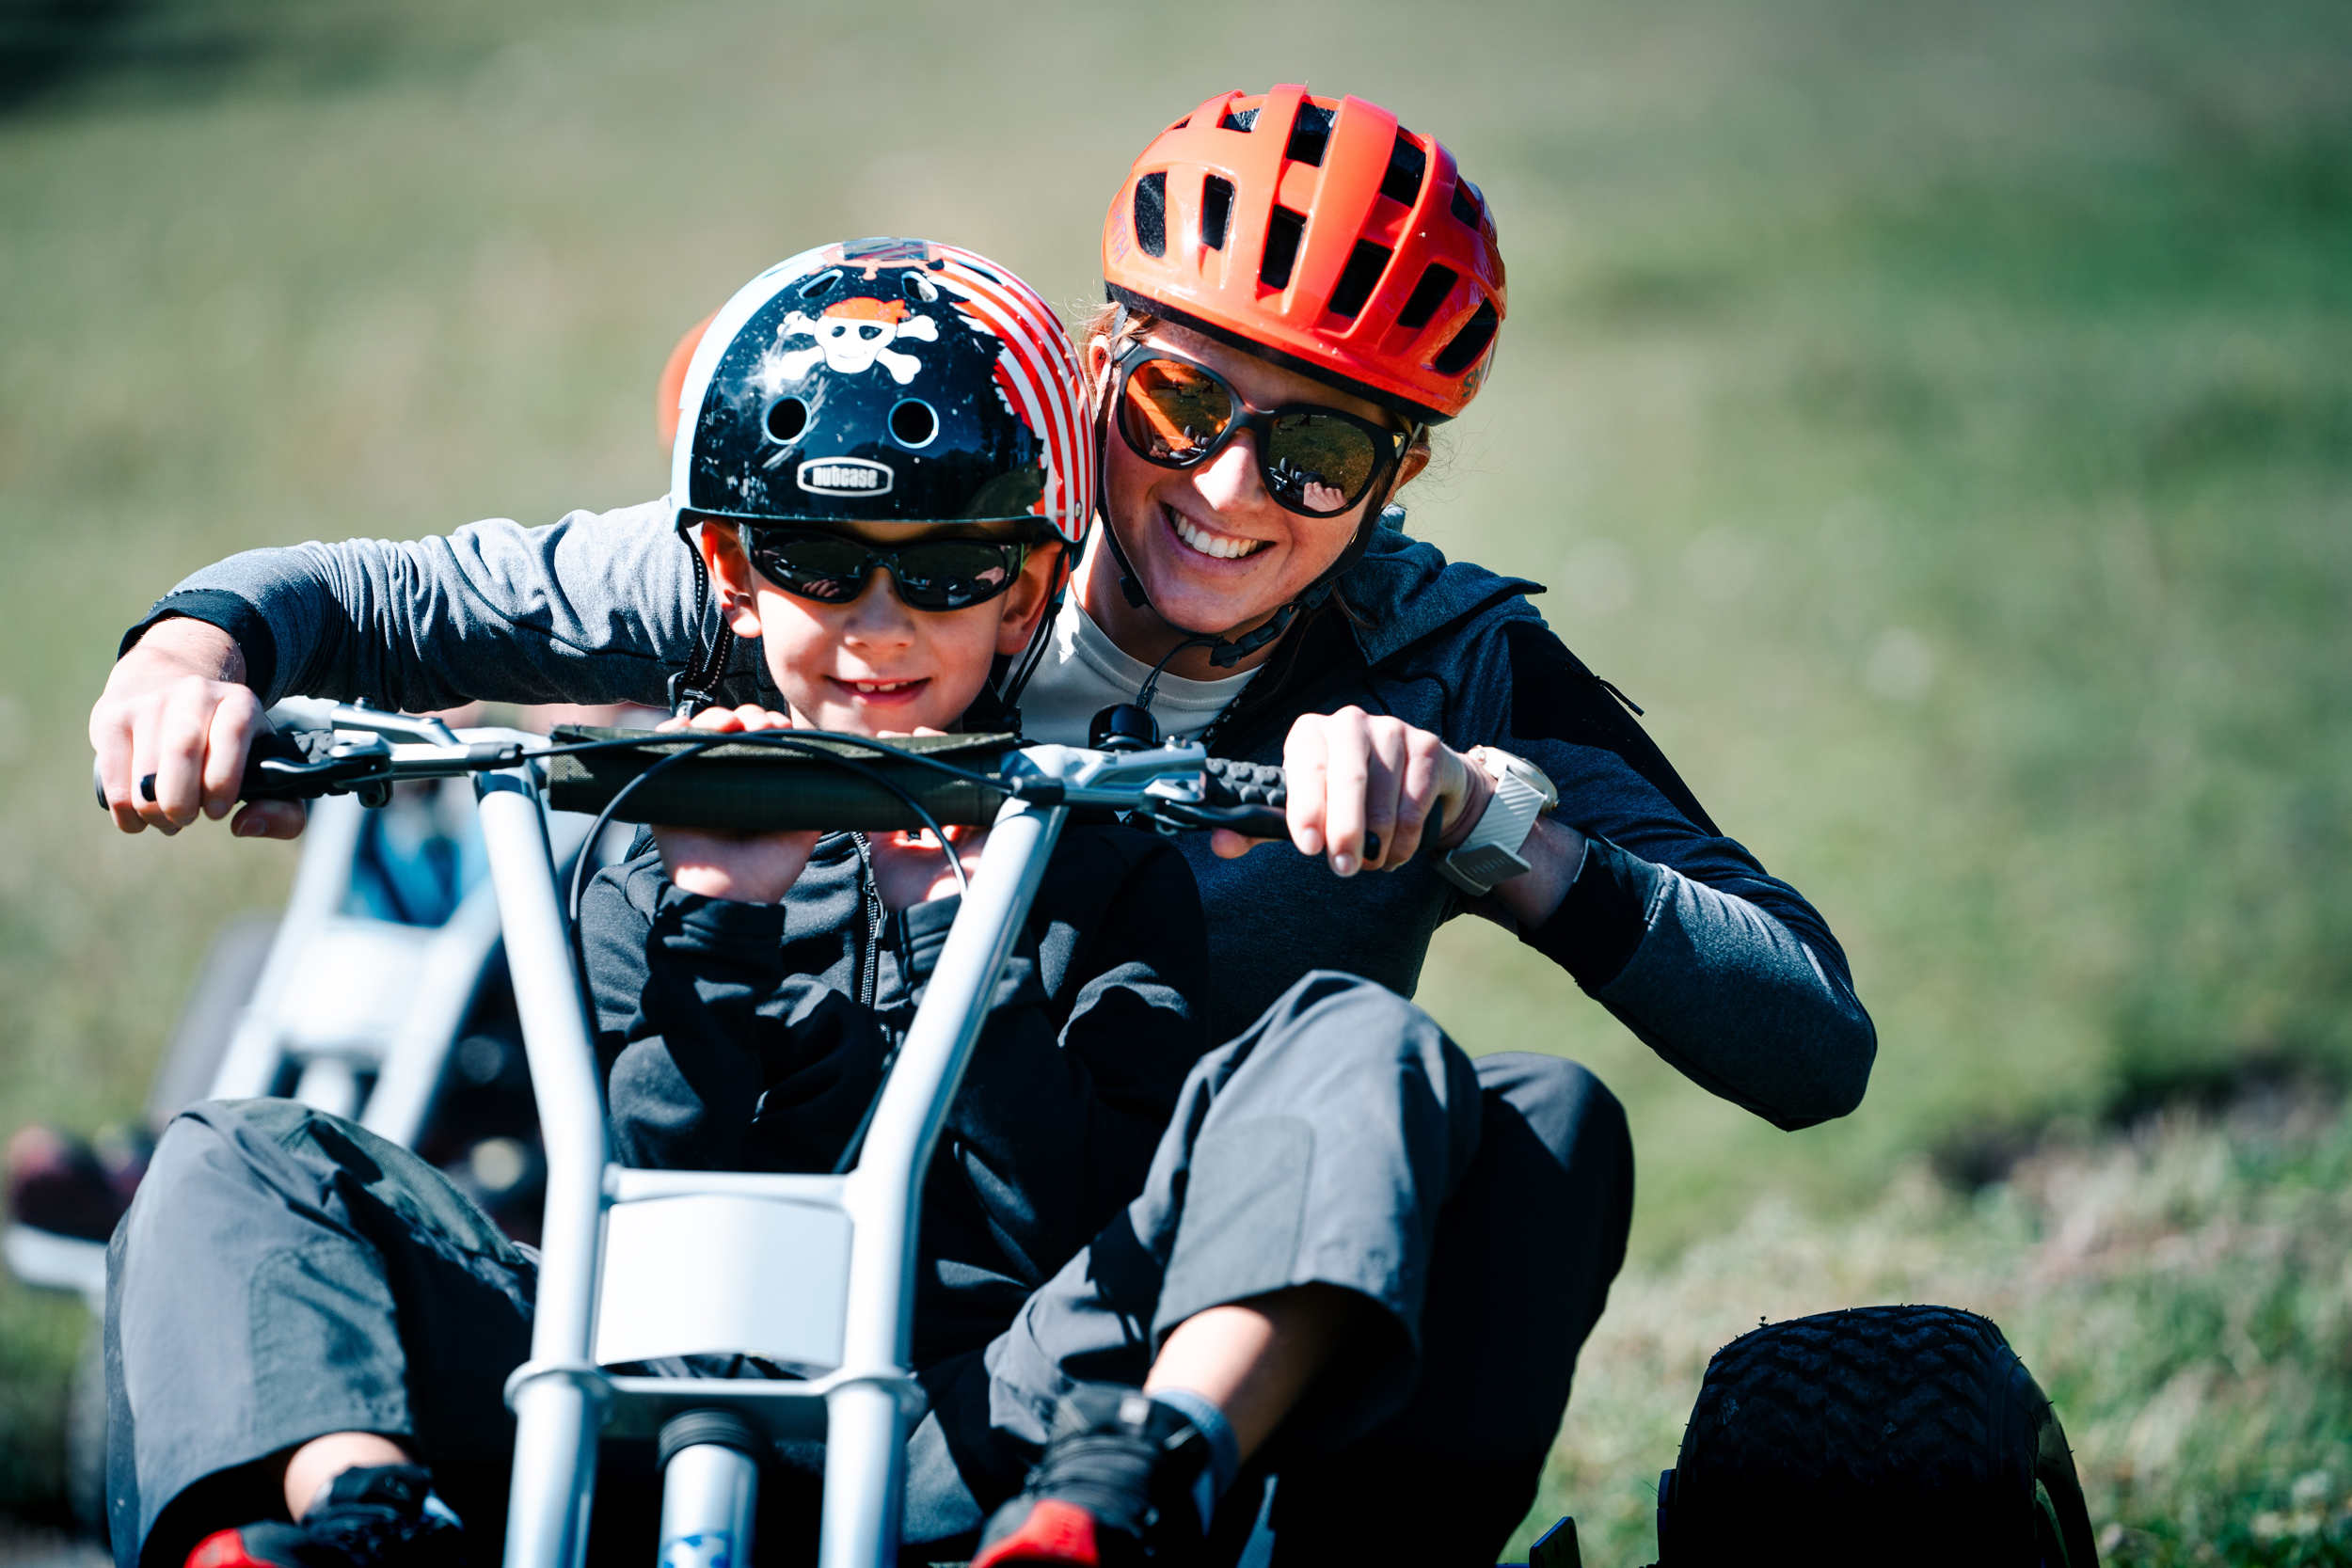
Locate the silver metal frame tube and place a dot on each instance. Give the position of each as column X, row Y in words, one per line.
column 560, row 1408
column 865, row 1441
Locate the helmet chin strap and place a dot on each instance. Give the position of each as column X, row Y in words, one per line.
column 696, row 687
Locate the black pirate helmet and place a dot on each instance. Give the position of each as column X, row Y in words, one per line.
column 884, row 381
column 878, row 381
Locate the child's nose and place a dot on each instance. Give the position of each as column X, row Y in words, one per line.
column 879, row 615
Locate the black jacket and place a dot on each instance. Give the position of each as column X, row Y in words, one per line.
column 733, row 1038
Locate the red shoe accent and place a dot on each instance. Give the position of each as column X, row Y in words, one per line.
column 224, row 1548
column 1054, row 1531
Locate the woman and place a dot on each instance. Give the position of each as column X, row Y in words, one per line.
column 1298, row 289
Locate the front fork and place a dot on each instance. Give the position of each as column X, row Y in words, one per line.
column 710, row 1490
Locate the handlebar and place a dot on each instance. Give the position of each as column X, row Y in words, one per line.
column 767, row 781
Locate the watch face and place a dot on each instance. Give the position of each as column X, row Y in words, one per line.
column 1531, row 775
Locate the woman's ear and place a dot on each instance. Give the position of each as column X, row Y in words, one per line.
column 1416, row 458
column 1098, row 368
column 1025, row 602
column 722, row 546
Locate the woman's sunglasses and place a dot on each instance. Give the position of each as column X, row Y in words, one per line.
column 931, row 573
column 1314, row 460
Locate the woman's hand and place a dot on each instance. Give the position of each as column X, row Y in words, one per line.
column 176, row 715
column 1350, row 773
column 741, row 868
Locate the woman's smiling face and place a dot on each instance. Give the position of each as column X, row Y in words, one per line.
column 1214, row 551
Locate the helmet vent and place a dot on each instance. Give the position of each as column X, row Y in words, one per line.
column 1180, row 125
column 1151, row 213
column 787, row 418
column 1217, row 211
column 1428, row 294
column 1468, row 343
column 1466, row 202
column 1239, row 119
column 1365, row 264
column 914, row 422
column 1407, row 164
column 1283, row 233
column 917, row 287
column 820, row 284
column 1308, row 133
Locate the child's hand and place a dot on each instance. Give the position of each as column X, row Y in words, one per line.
column 909, row 868
column 741, row 868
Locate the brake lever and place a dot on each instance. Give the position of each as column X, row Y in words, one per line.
column 1248, row 821
column 347, row 769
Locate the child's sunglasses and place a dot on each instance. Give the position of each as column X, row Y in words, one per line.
column 929, row 574
column 1314, row 460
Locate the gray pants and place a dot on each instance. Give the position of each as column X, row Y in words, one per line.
column 284, row 1274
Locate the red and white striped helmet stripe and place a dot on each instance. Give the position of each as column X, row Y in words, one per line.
column 1039, row 374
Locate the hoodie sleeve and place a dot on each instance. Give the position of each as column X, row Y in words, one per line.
column 591, row 608
column 1724, row 970
column 711, row 1023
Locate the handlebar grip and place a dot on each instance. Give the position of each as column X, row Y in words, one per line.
column 1264, row 790
column 256, row 784
column 748, row 787
column 1231, row 781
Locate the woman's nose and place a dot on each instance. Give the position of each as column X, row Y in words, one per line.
column 1229, row 481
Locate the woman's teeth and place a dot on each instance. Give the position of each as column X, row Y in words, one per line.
column 1220, row 546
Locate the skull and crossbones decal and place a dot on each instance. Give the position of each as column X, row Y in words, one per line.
column 854, row 334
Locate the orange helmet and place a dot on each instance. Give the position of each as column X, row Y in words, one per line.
column 665, row 396
column 1320, row 234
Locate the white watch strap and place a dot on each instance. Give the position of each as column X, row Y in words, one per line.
column 1490, row 854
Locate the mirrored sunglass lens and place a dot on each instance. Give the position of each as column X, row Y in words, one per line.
column 833, row 570
column 1172, row 411
column 951, row 574
column 1315, row 463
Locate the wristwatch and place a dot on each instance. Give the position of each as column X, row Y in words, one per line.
column 1522, row 793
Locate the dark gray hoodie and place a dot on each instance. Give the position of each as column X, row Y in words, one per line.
column 1677, row 930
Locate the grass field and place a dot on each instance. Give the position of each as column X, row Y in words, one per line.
column 2180, row 1293
column 1938, row 417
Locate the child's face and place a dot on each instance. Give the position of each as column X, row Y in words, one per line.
column 876, row 664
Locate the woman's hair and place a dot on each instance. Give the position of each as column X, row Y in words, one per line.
column 1102, row 318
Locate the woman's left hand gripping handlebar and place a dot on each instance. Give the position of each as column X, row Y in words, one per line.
column 1351, row 773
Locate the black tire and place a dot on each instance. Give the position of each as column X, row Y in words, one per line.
column 1875, row 1434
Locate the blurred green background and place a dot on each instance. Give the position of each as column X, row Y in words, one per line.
column 1938, row 416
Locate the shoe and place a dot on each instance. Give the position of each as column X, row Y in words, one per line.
column 378, row 1516
column 1117, row 1487
column 59, row 1183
